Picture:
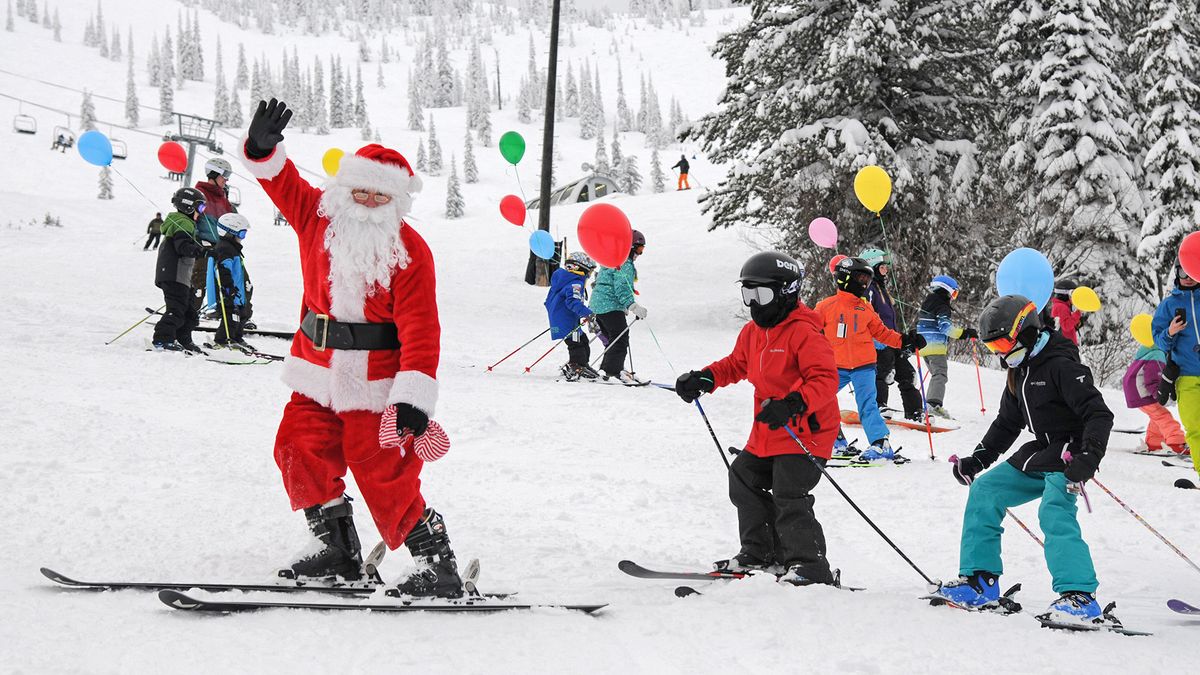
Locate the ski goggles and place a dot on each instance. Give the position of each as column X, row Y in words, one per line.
column 363, row 196
column 241, row 234
column 757, row 295
column 200, row 207
column 1007, row 343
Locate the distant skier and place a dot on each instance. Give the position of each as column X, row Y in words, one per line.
column 1141, row 383
column 889, row 360
column 173, row 274
column 1067, row 319
column 612, row 298
column 936, row 327
column 1176, row 330
column 231, row 281
column 154, row 232
column 683, row 167
column 782, row 353
column 566, row 305
column 852, row 327
column 1052, row 394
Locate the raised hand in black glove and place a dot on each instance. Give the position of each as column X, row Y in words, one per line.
column 967, row 468
column 266, row 128
column 411, row 418
column 1082, row 467
column 911, row 341
column 777, row 412
column 969, row 334
column 690, row 385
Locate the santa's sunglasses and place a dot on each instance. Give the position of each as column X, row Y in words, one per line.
column 362, row 196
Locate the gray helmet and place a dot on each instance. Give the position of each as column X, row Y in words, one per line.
column 1010, row 316
column 581, row 262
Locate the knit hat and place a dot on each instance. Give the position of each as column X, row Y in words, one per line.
column 377, row 168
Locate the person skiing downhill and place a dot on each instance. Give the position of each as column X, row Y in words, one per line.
column 852, row 327
column 367, row 352
column 684, row 167
column 173, row 272
column 566, row 305
column 782, row 353
column 1176, row 330
column 891, row 364
column 1052, row 394
column 935, row 326
column 613, row 298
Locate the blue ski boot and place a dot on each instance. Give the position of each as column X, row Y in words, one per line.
column 841, row 447
column 1074, row 607
column 879, row 452
column 981, row 590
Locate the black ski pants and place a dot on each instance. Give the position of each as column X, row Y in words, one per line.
column 154, row 238
column 579, row 351
column 614, row 324
column 179, row 317
column 775, row 512
column 887, row 360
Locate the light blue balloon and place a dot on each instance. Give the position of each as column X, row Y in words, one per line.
column 1026, row 272
column 542, row 244
column 95, row 148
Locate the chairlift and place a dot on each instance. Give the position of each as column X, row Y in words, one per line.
column 62, row 137
column 22, row 123
column 120, row 151
column 234, row 195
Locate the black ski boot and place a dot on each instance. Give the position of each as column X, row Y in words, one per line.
column 341, row 556
column 437, row 571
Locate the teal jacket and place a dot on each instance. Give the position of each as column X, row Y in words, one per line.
column 613, row 291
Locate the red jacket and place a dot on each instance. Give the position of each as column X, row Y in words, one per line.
column 852, row 326
column 1068, row 319
column 216, row 202
column 792, row 356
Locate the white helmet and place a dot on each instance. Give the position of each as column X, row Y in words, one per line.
column 218, row 165
column 234, row 223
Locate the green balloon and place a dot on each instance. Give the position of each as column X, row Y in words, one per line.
column 512, row 146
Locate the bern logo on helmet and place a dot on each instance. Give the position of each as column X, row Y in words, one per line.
column 791, row 267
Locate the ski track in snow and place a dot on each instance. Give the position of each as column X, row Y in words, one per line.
column 127, row 465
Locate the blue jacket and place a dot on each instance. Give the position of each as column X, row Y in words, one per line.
column 1181, row 348
column 566, row 303
column 934, row 323
column 613, row 291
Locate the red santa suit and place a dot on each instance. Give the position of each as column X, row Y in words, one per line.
column 333, row 419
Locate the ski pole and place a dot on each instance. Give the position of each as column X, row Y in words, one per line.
column 978, row 379
column 552, row 348
column 221, row 300
column 1142, row 520
column 164, row 305
column 860, row 511
column 713, row 434
column 925, row 405
column 614, row 341
column 489, row 368
column 954, row 460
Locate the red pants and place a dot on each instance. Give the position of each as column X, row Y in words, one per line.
column 315, row 445
column 1162, row 428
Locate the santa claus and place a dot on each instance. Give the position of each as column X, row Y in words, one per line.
column 368, row 344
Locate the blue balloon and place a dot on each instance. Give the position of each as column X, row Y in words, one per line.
column 542, row 244
column 1026, row 272
column 95, row 148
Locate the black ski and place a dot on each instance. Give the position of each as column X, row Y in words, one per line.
column 635, row 570
column 364, row 589
column 1107, row 622
column 248, row 331
column 182, row 601
column 214, row 347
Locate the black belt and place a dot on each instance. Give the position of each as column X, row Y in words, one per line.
column 328, row 334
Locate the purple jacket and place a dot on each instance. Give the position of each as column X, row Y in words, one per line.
column 1141, row 382
column 882, row 302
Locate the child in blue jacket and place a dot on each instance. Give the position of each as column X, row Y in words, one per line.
column 566, row 304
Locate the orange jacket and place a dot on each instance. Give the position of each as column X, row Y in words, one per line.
column 852, row 326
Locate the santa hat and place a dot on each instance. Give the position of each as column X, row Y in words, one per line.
column 377, row 168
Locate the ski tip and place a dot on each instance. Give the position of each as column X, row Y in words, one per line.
column 1185, row 484
column 177, row 600
column 1182, row 607
column 627, row 565
column 58, row 578
column 686, row 591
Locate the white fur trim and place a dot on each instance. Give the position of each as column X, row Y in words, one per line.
column 416, row 389
column 366, row 174
column 343, row 386
column 263, row 169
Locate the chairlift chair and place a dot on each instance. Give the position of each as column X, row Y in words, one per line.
column 234, row 195
column 66, row 134
column 24, row 124
column 119, row 150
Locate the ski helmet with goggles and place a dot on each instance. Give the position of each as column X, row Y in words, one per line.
column 1063, row 288
column 876, row 257
column 235, row 224
column 766, row 275
column 639, row 239
column 946, row 282
column 580, row 262
column 187, row 200
column 1009, row 322
column 853, row 275
column 218, row 166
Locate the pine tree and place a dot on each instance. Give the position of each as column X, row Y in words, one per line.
column 242, row 79
column 336, row 94
column 676, row 122
column 166, row 101
column 658, row 179
column 8, row 19
column 89, row 33
column 617, row 155
column 384, row 55
column 655, row 135
column 597, row 102
column 365, row 131
column 445, row 79
column 360, row 103
column 639, row 122
column 416, row 115
column 1170, row 105
column 235, row 110
column 87, row 112
column 455, row 207
column 601, row 164
column 106, row 183
column 220, row 93
column 379, row 77
column 523, row 106
column 57, row 27
column 422, row 157
column 131, row 97
column 630, row 175
column 166, row 61
column 128, row 43
column 46, row 23
column 320, row 113
column 153, row 69
column 435, row 150
column 183, row 64
column 624, row 116
column 470, row 170
column 570, row 102
column 587, row 113
column 102, row 41
column 115, row 52
column 483, row 124
column 197, row 47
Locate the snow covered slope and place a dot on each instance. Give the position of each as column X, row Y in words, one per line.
column 120, row 463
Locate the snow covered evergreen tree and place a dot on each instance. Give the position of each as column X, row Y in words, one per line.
column 629, row 175
column 166, row 60
column 587, row 105
column 320, row 112
column 166, row 101
column 435, row 150
column 365, row 131
column 337, row 116
column 422, row 157
column 470, row 170
column 360, row 102
column 624, row 116
column 106, row 183
column 379, row 77
column 601, row 164
column 57, row 27
column 235, row 110
column 8, row 19
column 115, row 53
column 570, row 102
column 131, row 97
column 153, row 69
column 658, row 179
column 220, row 93
column 197, row 46
column 416, row 115
column 455, row 206
column 242, row 79
column 617, row 155
column 653, row 126
column 523, row 105
column 87, row 112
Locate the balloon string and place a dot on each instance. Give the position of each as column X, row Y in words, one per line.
column 519, row 186
column 135, row 188
column 892, row 273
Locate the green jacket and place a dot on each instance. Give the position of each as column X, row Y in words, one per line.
column 177, row 222
column 613, row 291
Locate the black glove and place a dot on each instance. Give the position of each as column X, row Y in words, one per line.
column 266, row 128
column 969, row 334
column 1082, row 467
column 967, row 468
column 777, row 412
column 690, row 385
column 411, row 418
column 911, row 341
column 1166, row 382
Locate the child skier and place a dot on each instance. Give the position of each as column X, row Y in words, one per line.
column 1066, row 317
column 935, row 326
column 230, row 271
column 1140, row 384
column 1177, row 334
column 781, row 351
column 852, row 327
column 173, row 274
column 890, row 360
column 612, row 298
column 1052, row 394
column 566, row 304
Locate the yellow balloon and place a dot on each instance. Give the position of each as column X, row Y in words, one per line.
column 1085, row 299
column 332, row 160
column 873, row 187
column 1139, row 327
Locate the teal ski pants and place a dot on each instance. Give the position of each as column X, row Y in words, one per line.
column 1005, row 486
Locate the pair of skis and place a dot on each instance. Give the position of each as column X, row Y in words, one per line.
column 1007, row 605
column 635, row 570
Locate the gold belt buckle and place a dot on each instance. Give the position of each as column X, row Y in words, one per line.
column 322, row 332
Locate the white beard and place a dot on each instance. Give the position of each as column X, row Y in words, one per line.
column 364, row 247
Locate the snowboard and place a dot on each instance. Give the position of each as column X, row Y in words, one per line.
column 850, row 417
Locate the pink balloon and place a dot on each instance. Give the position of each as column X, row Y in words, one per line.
column 823, row 232
column 513, row 210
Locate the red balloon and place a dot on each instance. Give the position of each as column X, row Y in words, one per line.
column 172, row 156
column 513, row 210
column 1189, row 255
column 605, row 234
column 834, row 261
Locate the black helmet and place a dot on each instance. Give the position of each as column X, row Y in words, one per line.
column 1007, row 321
column 1063, row 288
column 770, row 267
column 639, row 239
column 186, row 200
column 853, row 275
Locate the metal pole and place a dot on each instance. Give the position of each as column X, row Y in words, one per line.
column 541, row 268
column 187, row 176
